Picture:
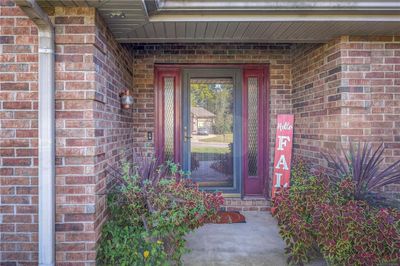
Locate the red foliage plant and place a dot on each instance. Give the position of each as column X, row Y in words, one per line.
column 315, row 217
column 356, row 234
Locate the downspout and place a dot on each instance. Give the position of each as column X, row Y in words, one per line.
column 46, row 130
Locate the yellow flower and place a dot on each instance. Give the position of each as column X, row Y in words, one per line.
column 146, row 253
column 159, row 242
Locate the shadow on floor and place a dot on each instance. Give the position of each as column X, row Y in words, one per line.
column 256, row 242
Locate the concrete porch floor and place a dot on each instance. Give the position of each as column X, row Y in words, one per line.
column 254, row 243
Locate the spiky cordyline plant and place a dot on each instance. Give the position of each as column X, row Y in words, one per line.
column 363, row 165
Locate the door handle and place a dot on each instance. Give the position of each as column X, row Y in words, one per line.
column 185, row 132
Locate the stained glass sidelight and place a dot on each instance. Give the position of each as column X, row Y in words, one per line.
column 252, row 126
column 169, row 117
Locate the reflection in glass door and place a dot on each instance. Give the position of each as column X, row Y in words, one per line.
column 211, row 131
column 211, row 128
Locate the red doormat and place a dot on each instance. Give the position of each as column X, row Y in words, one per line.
column 231, row 217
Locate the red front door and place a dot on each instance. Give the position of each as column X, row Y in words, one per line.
column 215, row 125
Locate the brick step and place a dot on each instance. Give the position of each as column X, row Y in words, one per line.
column 246, row 204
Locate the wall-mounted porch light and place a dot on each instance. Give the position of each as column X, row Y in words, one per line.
column 126, row 99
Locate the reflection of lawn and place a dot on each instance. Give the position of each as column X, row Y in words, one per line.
column 220, row 138
column 215, row 150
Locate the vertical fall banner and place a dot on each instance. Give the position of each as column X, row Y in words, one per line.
column 283, row 152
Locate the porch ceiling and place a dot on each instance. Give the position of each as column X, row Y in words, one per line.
column 134, row 21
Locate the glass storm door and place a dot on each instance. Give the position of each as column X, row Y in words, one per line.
column 211, row 128
column 214, row 122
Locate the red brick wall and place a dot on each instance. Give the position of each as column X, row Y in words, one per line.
column 347, row 90
column 316, row 80
column 114, row 126
column 371, row 93
column 18, row 135
column 91, row 130
column 75, row 134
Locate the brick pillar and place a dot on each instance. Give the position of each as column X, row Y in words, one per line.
column 75, row 135
column 316, row 79
column 92, row 129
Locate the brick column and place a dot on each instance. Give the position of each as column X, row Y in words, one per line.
column 91, row 130
column 75, row 135
column 316, row 79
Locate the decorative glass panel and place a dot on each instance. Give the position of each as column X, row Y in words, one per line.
column 252, row 126
column 211, row 134
column 169, row 117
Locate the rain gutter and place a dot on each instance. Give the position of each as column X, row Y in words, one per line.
column 46, row 119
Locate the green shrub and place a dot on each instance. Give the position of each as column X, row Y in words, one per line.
column 152, row 207
column 127, row 245
column 315, row 216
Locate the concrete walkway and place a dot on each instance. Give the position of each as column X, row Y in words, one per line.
column 254, row 243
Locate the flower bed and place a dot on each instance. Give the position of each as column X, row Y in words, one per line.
column 151, row 210
column 319, row 216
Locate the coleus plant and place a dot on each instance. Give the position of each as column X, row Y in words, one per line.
column 364, row 166
column 317, row 217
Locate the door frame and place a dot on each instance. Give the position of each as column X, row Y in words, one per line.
column 159, row 141
column 176, row 71
column 251, row 182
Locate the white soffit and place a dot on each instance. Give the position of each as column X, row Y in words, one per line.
column 239, row 21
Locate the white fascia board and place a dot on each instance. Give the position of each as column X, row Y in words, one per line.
column 271, row 18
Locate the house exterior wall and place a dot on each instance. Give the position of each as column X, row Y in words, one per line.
column 371, row 94
column 347, row 90
column 92, row 131
column 18, row 136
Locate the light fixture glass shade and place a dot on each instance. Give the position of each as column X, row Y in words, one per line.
column 126, row 100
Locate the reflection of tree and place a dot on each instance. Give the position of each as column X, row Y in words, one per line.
column 218, row 99
column 202, row 96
